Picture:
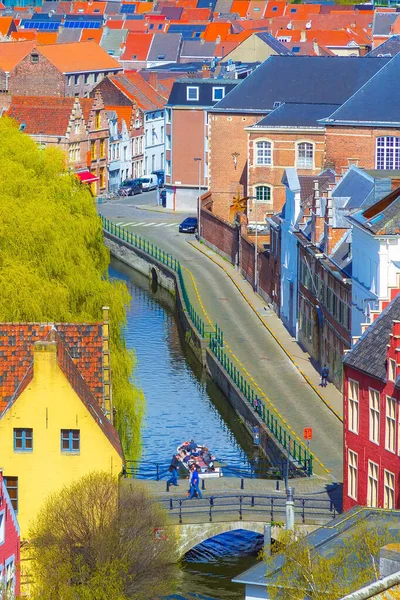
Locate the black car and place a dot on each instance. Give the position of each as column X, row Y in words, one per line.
column 130, row 187
column 189, row 225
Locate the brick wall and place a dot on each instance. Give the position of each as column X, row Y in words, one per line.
column 36, row 78
column 111, row 95
column 220, row 235
column 269, row 278
column 227, row 135
column 247, row 262
column 185, row 148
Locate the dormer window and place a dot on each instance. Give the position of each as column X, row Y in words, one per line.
column 392, row 370
column 218, row 93
column 34, row 58
column 192, row 93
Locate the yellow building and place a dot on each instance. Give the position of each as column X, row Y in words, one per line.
column 54, row 428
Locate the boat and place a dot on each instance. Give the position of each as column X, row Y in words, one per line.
column 208, row 469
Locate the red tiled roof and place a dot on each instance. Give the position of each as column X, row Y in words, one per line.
column 137, row 46
column 88, row 8
column 240, row 7
column 11, row 53
column 91, row 35
column 124, row 113
column 256, row 10
column 79, row 56
column 5, row 24
column 45, row 115
column 22, row 36
column 144, row 7
column 195, row 15
column 132, row 84
column 213, row 30
column 46, row 37
column 84, row 341
column 274, row 9
column 302, row 11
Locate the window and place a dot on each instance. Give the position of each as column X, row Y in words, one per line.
column 10, row 578
column 353, row 405
column 263, row 153
column 23, row 440
column 162, row 134
column 76, row 79
column 263, row 193
column 160, row 26
column 192, row 93
column 2, row 527
column 153, row 136
column 96, row 77
column 390, row 430
column 392, row 370
column 102, row 148
column 387, row 153
column 86, row 78
column 70, row 439
column 388, row 490
column 153, row 162
column 162, row 160
column 34, row 58
column 168, row 115
column 12, row 489
column 151, row 26
column 305, row 155
column 352, row 482
column 372, row 497
column 97, row 120
column 77, row 125
column 218, row 93
column 374, row 416
column 70, row 80
column 93, row 154
column 102, row 181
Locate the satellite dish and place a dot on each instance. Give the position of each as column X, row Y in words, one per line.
column 289, row 25
column 308, row 25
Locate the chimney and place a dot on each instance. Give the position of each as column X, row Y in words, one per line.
column 316, row 48
column 153, row 80
column 107, row 387
column 352, row 161
column 44, row 360
column 303, row 35
column 389, row 560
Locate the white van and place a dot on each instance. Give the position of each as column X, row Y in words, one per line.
column 149, row 182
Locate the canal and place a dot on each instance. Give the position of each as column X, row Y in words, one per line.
column 183, row 403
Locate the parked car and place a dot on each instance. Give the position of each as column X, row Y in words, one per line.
column 150, row 182
column 189, row 225
column 130, row 187
column 160, row 177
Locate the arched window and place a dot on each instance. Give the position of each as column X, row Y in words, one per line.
column 263, row 153
column 387, row 153
column 305, row 155
column 263, row 193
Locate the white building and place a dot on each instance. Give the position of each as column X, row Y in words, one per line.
column 154, row 136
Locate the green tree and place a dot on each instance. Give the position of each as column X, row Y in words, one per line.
column 53, row 261
column 94, row 540
column 306, row 572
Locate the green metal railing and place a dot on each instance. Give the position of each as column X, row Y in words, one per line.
column 216, row 343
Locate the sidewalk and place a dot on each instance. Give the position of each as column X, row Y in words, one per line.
column 330, row 395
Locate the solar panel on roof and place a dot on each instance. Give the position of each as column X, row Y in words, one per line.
column 128, row 8
column 82, row 24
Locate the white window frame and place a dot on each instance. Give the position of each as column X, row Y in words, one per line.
column 262, row 185
column 352, row 474
column 353, row 405
column 2, row 527
column 392, row 369
column 373, row 484
column 263, row 153
column 374, row 415
column 390, row 425
column 389, row 490
column 387, row 155
column 213, row 93
column 305, row 162
column 189, row 89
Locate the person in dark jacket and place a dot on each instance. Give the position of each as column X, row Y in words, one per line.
column 173, row 469
column 194, row 483
column 324, row 375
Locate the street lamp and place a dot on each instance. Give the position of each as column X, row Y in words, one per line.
column 198, row 160
column 254, row 209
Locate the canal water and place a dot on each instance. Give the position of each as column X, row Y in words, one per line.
column 183, row 403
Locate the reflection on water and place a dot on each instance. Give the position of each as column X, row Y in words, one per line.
column 183, row 403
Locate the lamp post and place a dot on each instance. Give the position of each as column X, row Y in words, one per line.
column 254, row 209
column 198, row 160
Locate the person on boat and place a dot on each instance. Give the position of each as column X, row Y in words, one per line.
column 206, row 455
column 185, row 457
column 191, row 446
column 194, row 483
column 173, row 469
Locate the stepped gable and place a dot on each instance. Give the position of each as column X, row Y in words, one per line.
column 83, row 341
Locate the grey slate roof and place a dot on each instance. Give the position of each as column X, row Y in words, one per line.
column 178, row 96
column 173, row 13
column 69, row 35
column 297, row 115
column 112, row 40
column 273, row 43
column 197, row 49
column 382, row 22
column 223, row 6
column 167, row 46
column 356, row 185
column 369, row 353
column 383, row 218
column 376, row 103
column 390, row 47
column 330, row 80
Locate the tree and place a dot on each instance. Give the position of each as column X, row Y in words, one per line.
column 94, row 540
column 54, row 263
column 302, row 571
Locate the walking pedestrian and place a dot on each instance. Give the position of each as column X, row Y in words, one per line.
column 194, row 483
column 173, row 469
column 324, row 375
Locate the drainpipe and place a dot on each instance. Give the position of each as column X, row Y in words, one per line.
column 289, row 509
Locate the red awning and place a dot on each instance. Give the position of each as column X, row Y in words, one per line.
column 87, row 177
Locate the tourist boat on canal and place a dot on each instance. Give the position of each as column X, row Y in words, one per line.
column 202, row 457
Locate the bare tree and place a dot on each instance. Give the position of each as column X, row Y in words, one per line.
column 94, row 540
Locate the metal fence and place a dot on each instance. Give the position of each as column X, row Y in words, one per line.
column 298, row 452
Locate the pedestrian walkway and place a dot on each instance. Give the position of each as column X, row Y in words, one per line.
column 146, row 224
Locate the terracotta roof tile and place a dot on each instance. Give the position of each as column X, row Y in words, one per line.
column 144, row 7
column 11, row 53
column 42, row 115
column 91, row 35
column 5, row 25
column 195, row 15
column 46, row 37
column 213, row 30
column 137, row 46
column 88, row 8
column 22, row 36
column 124, row 113
column 138, row 90
column 275, row 9
column 240, row 7
column 79, row 56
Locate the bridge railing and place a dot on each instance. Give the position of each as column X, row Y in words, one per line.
column 246, row 507
column 298, row 452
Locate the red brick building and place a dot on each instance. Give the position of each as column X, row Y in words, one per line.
column 372, row 415
column 9, row 546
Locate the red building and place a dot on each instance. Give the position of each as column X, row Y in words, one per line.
column 372, row 414
column 9, row 546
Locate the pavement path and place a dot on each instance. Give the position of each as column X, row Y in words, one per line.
column 221, row 296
